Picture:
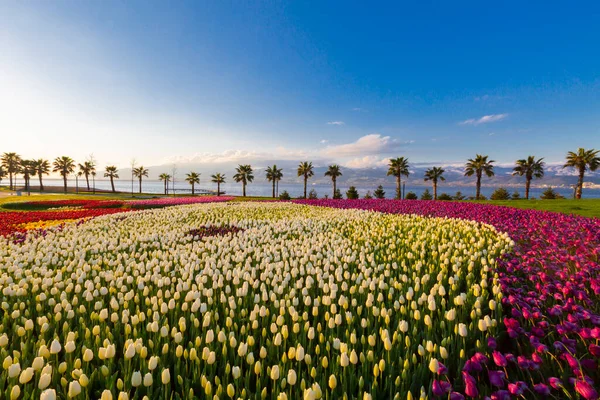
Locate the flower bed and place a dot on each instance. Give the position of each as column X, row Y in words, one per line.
column 12, row 222
column 46, row 205
column 41, row 212
column 551, row 287
column 176, row 201
column 306, row 302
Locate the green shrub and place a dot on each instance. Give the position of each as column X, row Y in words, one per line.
column 444, row 196
column 352, row 193
column 516, row 196
column 426, row 195
column 500, row 194
column 337, row 194
column 368, row 196
column 411, row 196
column 551, row 194
column 458, row 196
column 312, row 194
column 284, row 195
column 379, row 193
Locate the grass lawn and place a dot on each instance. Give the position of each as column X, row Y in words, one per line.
column 585, row 207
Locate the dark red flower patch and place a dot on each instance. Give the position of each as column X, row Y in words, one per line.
column 206, row 231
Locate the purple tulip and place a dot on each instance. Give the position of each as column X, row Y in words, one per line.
column 594, row 350
column 470, row 385
column 555, row 382
column 440, row 388
column 586, row 390
column 541, row 389
column 517, row 388
column 501, row 395
column 499, row 359
column 496, row 378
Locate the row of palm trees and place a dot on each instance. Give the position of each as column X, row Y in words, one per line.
column 530, row 167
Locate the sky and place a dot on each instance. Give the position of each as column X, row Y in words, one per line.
column 345, row 82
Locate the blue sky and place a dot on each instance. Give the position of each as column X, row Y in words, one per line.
column 339, row 82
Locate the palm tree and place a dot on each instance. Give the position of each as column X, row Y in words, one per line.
column 65, row 166
column 2, row 173
column 305, row 169
column 112, row 172
column 86, row 169
column 478, row 167
column 244, row 174
column 531, row 168
column 274, row 175
column 139, row 173
column 193, row 178
column 165, row 178
column 10, row 162
column 41, row 167
column 398, row 167
column 218, row 179
column 334, row 172
column 27, row 169
column 582, row 160
column 434, row 174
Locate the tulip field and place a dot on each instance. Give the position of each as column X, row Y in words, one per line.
column 311, row 299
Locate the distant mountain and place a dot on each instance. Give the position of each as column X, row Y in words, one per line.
column 555, row 175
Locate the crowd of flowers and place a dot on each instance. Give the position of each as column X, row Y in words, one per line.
column 550, row 341
column 295, row 302
column 43, row 214
column 12, row 222
column 176, row 201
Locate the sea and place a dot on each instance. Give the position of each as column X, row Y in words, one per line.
column 294, row 189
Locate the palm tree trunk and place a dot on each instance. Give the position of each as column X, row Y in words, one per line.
column 244, row 189
column 112, row 184
column 580, row 183
column 192, row 189
column 165, row 184
column 87, row 181
column 305, row 182
column 434, row 190
column 218, row 189
column 527, row 185
column 10, row 186
column 334, row 189
column 478, row 191
column 273, row 188
column 65, row 182
column 41, row 184
column 398, row 183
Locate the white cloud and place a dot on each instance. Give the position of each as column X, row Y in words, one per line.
column 367, row 162
column 367, row 145
column 484, row 120
column 237, row 156
column 324, row 141
column 358, row 109
column 336, row 123
column 492, row 133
